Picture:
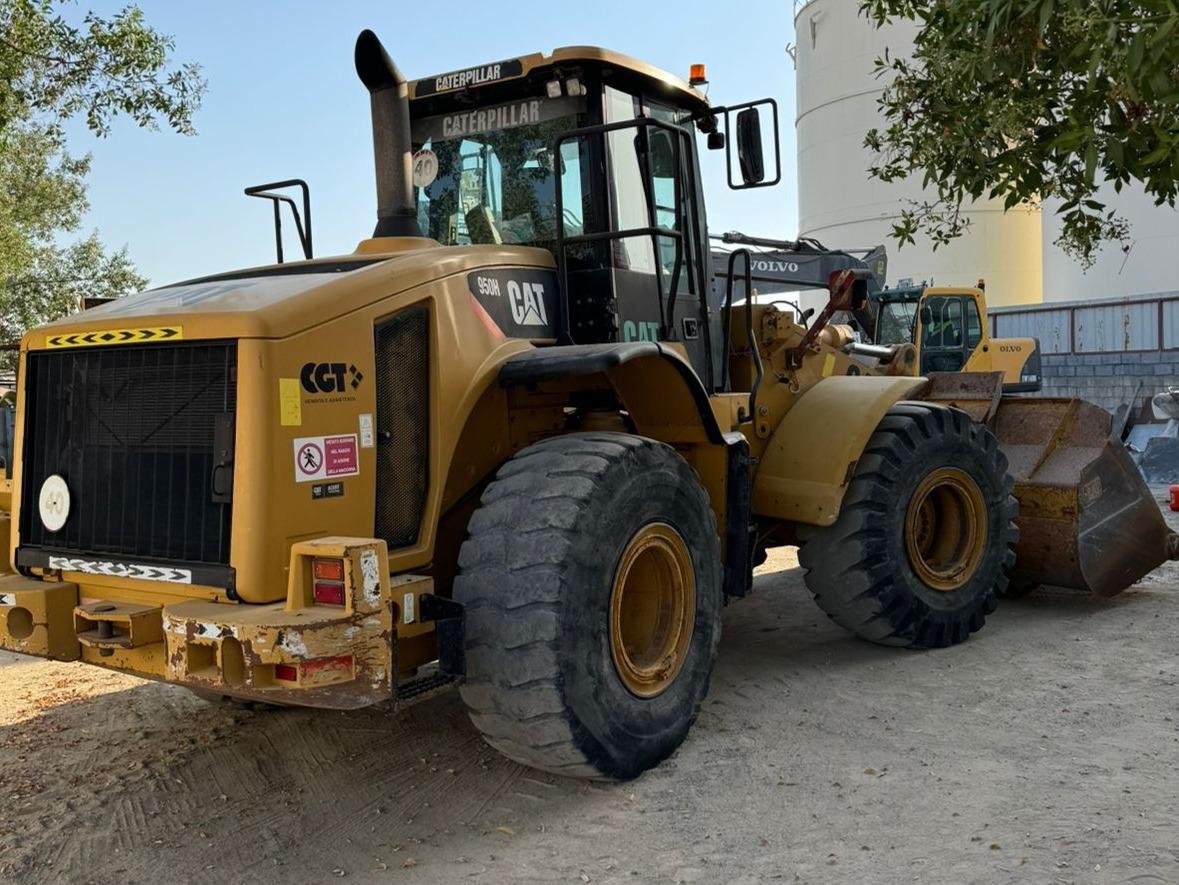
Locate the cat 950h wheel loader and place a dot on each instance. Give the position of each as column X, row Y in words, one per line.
column 512, row 442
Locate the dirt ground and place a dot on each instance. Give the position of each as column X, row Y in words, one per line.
column 1043, row 750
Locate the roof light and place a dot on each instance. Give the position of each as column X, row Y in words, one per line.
column 573, row 87
column 553, row 88
column 697, row 76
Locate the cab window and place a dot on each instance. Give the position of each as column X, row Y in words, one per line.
column 945, row 326
column 488, row 175
column 973, row 324
column 629, row 193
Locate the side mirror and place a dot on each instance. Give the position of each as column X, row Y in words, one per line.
column 749, row 167
column 926, row 315
column 749, row 153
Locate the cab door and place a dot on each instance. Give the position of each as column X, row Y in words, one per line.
column 949, row 332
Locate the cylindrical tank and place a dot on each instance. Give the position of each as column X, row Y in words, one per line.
column 842, row 207
column 1146, row 263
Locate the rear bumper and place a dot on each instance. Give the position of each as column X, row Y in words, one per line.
column 338, row 657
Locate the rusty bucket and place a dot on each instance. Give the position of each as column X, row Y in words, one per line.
column 1086, row 517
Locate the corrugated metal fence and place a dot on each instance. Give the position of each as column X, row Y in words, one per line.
column 1125, row 325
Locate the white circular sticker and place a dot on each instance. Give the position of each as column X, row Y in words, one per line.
column 425, row 168
column 54, row 503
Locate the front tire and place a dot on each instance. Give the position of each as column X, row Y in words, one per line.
column 591, row 585
column 920, row 551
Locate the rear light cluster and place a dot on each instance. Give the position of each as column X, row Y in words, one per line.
column 286, row 672
column 328, row 580
column 317, row 667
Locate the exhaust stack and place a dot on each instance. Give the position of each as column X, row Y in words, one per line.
column 392, row 151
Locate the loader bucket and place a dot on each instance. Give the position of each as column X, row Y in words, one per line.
column 1086, row 517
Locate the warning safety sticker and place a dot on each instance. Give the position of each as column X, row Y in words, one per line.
column 324, row 457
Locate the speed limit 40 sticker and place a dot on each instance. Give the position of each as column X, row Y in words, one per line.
column 325, row 457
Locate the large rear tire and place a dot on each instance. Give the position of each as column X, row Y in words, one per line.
column 919, row 554
column 591, row 585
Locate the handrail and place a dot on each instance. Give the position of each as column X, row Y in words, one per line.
column 263, row 192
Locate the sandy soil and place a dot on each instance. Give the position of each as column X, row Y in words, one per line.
column 1043, row 750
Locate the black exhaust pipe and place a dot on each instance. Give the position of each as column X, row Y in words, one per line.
column 392, row 150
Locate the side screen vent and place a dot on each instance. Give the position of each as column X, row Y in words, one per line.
column 403, row 424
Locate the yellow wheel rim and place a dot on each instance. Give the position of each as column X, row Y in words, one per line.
column 652, row 610
column 946, row 529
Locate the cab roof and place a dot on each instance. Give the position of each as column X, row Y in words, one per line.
column 521, row 66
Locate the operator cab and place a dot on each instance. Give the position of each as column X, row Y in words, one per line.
column 591, row 156
column 947, row 326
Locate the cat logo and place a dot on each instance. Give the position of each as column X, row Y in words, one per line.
column 527, row 300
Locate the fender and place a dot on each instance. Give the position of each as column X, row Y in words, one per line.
column 666, row 400
column 662, row 392
column 811, row 456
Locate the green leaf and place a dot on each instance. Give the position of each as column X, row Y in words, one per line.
column 1046, row 10
column 1135, row 53
column 1157, row 155
column 1090, row 161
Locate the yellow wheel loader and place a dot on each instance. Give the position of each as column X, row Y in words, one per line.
column 947, row 325
column 513, row 442
column 950, row 330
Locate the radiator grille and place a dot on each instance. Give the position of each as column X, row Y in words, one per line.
column 403, row 424
column 131, row 430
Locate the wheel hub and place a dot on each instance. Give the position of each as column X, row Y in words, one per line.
column 946, row 528
column 652, row 610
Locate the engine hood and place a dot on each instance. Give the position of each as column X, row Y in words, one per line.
column 279, row 300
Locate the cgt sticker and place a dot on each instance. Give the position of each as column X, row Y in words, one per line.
column 325, row 457
column 329, row 377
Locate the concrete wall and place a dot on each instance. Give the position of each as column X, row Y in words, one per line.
column 1110, row 379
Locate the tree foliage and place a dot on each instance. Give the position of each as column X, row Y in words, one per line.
column 60, row 279
column 52, row 71
column 1020, row 100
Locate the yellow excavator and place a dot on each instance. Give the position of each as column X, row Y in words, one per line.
column 514, row 442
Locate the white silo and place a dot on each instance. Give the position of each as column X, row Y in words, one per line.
column 841, row 206
column 1146, row 264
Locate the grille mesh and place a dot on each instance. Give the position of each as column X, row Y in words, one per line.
column 131, row 430
column 403, row 424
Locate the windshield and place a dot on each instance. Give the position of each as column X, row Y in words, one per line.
column 895, row 324
column 488, row 175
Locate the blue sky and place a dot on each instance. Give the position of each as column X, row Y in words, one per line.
column 283, row 101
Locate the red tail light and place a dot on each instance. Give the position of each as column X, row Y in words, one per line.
column 329, row 593
column 286, row 672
